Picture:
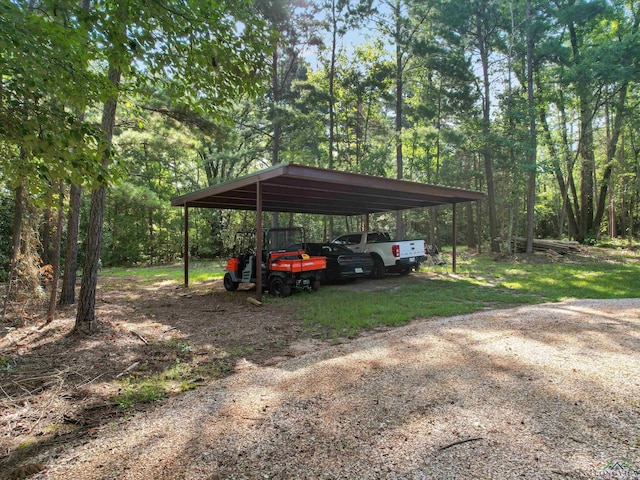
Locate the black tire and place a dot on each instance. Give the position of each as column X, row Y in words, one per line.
column 378, row 268
column 315, row 285
column 229, row 284
column 405, row 271
column 278, row 287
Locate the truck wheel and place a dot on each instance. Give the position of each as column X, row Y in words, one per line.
column 378, row 268
column 229, row 284
column 278, row 288
column 405, row 271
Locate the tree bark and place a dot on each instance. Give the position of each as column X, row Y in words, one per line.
column 533, row 144
column 15, row 242
column 486, row 131
column 55, row 260
column 277, row 126
column 612, row 146
column 399, row 90
column 85, row 317
column 68, row 293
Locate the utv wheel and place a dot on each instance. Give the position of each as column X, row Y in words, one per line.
column 278, row 288
column 229, row 284
column 378, row 268
column 315, row 285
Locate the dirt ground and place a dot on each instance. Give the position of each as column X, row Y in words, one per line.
column 57, row 387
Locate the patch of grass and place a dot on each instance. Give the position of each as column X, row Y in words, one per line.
column 240, row 350
column 481, row 283
column 198, row 271
column 27, row 444
column 5, row 362
column 146, row 391
column 181, row 346
column 179, row 377
column 339, row 312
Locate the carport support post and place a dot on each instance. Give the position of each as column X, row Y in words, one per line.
column 258, row 241
column 186, row 245
column 455, row 240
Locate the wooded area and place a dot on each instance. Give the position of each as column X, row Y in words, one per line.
column 110, row 108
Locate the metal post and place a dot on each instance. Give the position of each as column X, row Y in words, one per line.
column 186, row 245
column 455, row 240
column 258, row 241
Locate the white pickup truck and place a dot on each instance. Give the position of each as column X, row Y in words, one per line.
column 388, row 256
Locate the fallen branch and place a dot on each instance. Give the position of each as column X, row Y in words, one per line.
column 460, row 442
column 128, row 369
column 144, row 340
column 90, row 381
column 254, row 301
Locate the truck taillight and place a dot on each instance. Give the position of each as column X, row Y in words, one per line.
column 395, row 250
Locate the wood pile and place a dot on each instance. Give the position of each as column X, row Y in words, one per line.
column 562, row 247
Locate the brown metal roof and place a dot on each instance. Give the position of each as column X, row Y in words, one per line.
column 295, row 188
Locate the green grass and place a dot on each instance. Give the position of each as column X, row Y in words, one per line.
column 340, row 312
column 177, row 378
column 481, row 283
column 198, row 271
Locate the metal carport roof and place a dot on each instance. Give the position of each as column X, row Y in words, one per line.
column 289, row 187
column 295, row 188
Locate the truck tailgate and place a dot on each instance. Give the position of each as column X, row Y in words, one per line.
column 411, row 248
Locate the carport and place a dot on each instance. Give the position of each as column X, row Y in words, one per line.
column 292, row 188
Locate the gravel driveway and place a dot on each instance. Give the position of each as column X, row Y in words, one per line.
column 548, row 391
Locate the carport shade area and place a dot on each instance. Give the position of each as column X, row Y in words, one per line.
column 295, row 188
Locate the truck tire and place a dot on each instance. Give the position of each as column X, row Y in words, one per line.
column 378, row 268
column 405, row 270
column 229, row 284
column 278, row 287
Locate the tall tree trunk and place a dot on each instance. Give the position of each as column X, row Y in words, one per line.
column 277, row 126
column 16, row 240
column 399, row 90
column 533, row 143
column 85, row 317
column 612, row 146
column 45, row 239
column 68, row 293
column 332, row 99
column 486, row 131
column 587, row 170
column 55, row 260
column 567, row 205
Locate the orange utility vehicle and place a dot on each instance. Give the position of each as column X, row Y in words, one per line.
column 285, row 268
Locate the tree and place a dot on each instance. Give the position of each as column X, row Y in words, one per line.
column 405, row 22
column 590, row 51
column 211, row 53
column 44, row 81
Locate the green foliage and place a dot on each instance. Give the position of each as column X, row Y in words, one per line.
column 45, row 83
column 136, row 223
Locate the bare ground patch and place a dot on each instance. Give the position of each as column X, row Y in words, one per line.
column 550, row 391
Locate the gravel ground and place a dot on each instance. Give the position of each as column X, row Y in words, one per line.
column 548, row 391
